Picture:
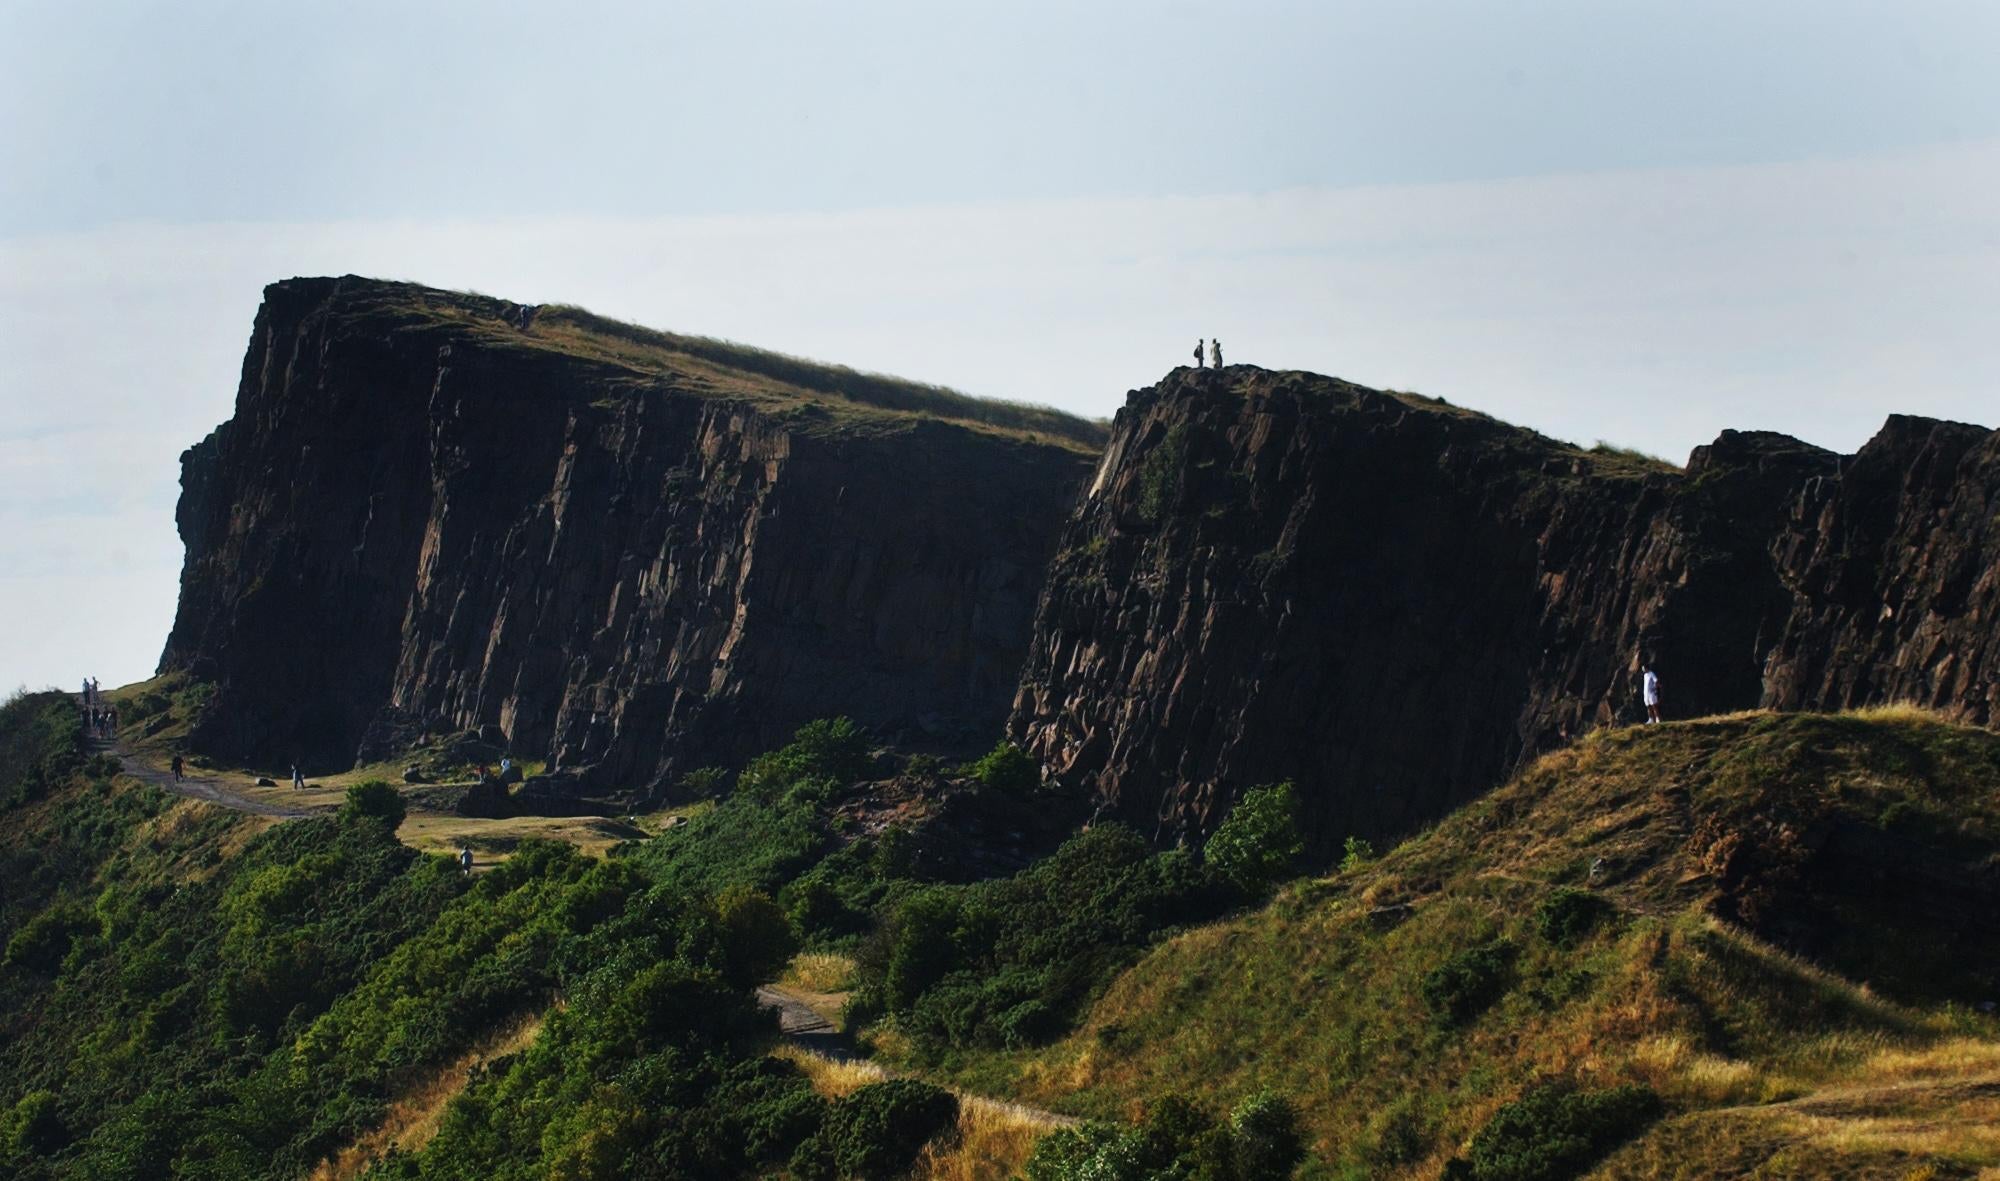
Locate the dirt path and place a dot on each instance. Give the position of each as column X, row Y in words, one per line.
column 213, row 791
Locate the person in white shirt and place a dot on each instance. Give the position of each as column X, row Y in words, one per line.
column 1649, row 688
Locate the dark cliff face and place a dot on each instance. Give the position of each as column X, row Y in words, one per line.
column 1393, row 602
column 635, row 554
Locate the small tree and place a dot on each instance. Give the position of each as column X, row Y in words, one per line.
column 1254, row 849
column 760, row 937
column 1006, row 768
column 374, row 800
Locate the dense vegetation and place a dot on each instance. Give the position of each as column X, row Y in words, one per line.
column 1619, row 964
column 1585, row 971
column 171, row 1011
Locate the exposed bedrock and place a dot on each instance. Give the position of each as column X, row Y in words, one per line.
column 1393, row 602
column 433, row 511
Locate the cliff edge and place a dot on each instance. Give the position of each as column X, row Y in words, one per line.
column 633, row 553
column 1395, row 602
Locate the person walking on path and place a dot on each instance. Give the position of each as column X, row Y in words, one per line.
column 1215, row 352
column 1649, row 690
column 465, row 860
column 298, row 780
column 178, row 769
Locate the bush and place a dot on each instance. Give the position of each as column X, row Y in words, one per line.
column 1160, row 474
column 1178, row 1138
column 1555, row 1131
column 759, row 936
column 1464, row 985
column 1255, row 847
column 1007, row 768
column 34, row 1127
column 1355, row 854
column 1265, row 1140
column 877, row 1132
column 1568, row 914
column 374, row 800
column 44, row 940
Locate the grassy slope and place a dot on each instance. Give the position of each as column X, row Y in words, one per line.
column 1318, row 995
column 833, row 396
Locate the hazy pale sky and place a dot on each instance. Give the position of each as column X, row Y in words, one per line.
column 1641, row 222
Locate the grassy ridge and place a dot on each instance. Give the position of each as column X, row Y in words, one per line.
column 698, row 363
column 1619, row 915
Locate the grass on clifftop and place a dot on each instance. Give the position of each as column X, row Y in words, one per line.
column 1620, row 914
column 700, row 364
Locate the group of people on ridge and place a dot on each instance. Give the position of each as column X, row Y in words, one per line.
column 1214, row 353
column 100, row 717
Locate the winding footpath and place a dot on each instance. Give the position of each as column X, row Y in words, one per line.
column 213, row 791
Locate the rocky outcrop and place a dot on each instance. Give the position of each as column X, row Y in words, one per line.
column 633, row 554
column 1393, row 602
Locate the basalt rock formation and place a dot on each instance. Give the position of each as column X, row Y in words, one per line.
column 1394, row 602
column 633, row 553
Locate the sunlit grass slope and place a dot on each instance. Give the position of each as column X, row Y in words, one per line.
column 1775, row 922
column 827, row 395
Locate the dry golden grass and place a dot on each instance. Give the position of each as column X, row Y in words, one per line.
column 993, row 1139
column 491, row 840
column 992, row 1143
column 819, row 972
column 828, row 1077
column 414, row 1117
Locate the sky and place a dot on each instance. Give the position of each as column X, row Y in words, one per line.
column 1620, row 220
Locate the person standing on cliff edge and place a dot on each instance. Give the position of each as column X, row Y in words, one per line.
column 1649, row 690
column 1215, row 352
column 1197, row 352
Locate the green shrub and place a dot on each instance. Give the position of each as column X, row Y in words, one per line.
column 44, row 940
column 1464, row 985
column 1554, row 1132
column 374, row 800
column 34, row 1127
column 877, row 1132
column 1161, row 472
column 1265, row 1143
column 959, row 965
column 1568, row 914
column 760, row 938
column 1356, row 853
column 1177, row 1139
column 1257, row 846
column 1007, row 768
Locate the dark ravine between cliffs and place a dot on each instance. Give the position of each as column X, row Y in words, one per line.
column 635, row 554
column 1394, row 602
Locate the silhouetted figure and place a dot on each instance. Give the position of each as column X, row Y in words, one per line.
column 1649, row 691
column 178, row 768
column 1215, row 352
column 1197, row 352
column 298, row 780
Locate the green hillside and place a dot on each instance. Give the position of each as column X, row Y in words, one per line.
column 1781, row 928
column 1754, row 945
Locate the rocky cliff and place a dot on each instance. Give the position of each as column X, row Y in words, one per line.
column 1394, row 602
column 633, row 553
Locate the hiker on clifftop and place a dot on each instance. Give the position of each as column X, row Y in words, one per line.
column 1649, row 690
column 1197, row 352
column 1215, row 352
